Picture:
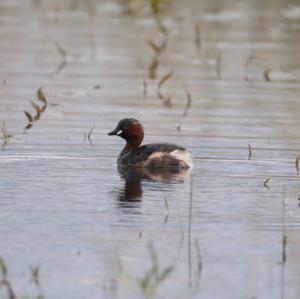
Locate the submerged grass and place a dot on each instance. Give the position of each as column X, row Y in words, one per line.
column 145, row 88
column 41, row 97
column 3, row 268
column 156, row 6
column 158, row 49
column 153, row 68
column 30, row 120
column 164, row 79
column 167, row 210
column 250, row 152
column 188, row 102
column 247, row 63
column 155, row 276
column 199, row 263
column 63, row 54
column 154, row 46
column 5, row 135
column 284, row 245
column 133, row 7
column 35, row 274
column 297, row 164
column 284, row 242
column 218, row 66
column 266, row 183
column 190, row 233
column 38, row 110
column 198, row 39
column 88, row 135
column 267, row 73
column 166, row 99
column 6, row 283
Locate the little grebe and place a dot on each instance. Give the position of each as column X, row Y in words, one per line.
column 156, row 155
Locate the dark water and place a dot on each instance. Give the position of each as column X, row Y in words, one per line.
column 65, row 207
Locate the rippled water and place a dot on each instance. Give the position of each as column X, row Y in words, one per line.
column 65, row 208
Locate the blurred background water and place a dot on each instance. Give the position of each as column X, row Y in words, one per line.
column 65, row 208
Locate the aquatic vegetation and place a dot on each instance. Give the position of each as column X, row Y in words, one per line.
column 164, row 79
column 266, row 183
column 39, row 110
column 199, row 259
column 132, row 7
column 63, row 54
column 4, row 282
column 30, row 121
column 135, row 6
column 73, row 190
column 41, row 96
column 284, row 242
column 155, row 47
column 145, row 87
column 198, row 39
column 250, row 152
column 297, row 163
column 155, row 276
column 153, row 67
column 167, row 210
column 248, row 61
column 267, row 73
column 218, row 66
column 3, row 269
column 188, row 102
column 190, row 217
column 88, row 136
column 194, row 281
column 158, row 49
column 5, row 135
column 35, row 274
column 158, row 5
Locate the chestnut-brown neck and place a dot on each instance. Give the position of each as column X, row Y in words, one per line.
column 134, row 136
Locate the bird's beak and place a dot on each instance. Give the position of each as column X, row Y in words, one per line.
column 116, row 131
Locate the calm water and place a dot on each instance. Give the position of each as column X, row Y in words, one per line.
column 63, row 204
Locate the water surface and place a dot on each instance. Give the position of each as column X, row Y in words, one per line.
column 65, row 207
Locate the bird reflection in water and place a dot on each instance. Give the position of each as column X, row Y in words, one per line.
column 134, row 176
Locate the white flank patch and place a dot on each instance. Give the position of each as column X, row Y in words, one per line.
column 183, row 155
column 158, row 155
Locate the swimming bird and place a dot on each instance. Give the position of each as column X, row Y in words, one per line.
column 156, row 155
